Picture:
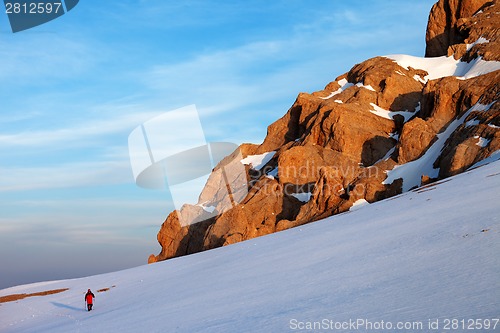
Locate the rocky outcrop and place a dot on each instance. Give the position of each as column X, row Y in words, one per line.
column 479, row 136
column 445, row 26
column 336, row 146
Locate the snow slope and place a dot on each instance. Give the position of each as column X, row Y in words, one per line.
column 427, row 254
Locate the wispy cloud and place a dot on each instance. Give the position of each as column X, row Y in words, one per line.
column 266, row 70
column 83, row 174
column 81, row 131
column 13, row 118
column 72, row 232
column 258, row 81
column 80, row 221
column 44, row 57
column 99, row 205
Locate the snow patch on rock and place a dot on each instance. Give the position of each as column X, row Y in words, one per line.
column 439, row 67
column 359, row 204
column 390, row 114
column 258, row 161
column 482, row 142
column 303, row 196
column 480, row 40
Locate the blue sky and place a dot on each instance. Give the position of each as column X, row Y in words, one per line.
column 73, row 89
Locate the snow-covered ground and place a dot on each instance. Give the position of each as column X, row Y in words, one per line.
column 426, row 257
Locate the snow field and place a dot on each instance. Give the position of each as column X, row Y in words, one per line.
column 428, row 254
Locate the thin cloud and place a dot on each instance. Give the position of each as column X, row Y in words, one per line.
column 102, row 204
column 79, row 131
column 68, row 175
column 265, row 70
column 14, row 118
column 72, row 233
column 44, row 56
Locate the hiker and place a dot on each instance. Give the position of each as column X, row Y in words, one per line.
column 89, row 299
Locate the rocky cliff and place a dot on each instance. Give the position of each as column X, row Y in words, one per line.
column 388, row 125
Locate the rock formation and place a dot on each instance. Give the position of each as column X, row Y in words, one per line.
column 445, row 26
column 342, row 144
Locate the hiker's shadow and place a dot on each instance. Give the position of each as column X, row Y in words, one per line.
column 65, row 306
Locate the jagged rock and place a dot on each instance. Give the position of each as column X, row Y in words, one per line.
column 482, row 30
column 444, row 21
column 351, row 129
column 170, row 237
column 326, row 197
column 256, row 216
column 300, row 165
column 478, row 137
column 397, row 86
column 334, row 147
column 443, row 101
column 416, row 137
column 438, row 108
column 292, row 125
column 369, row 184
column 215, row 192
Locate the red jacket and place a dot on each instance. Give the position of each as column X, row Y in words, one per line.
column 89, row 297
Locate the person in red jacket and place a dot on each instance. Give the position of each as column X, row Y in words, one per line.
column 89, row 299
